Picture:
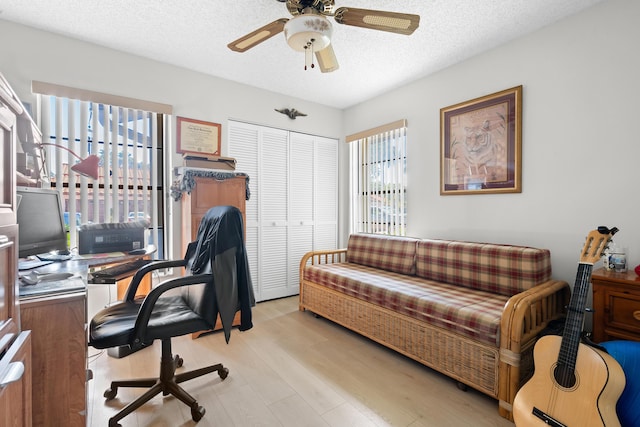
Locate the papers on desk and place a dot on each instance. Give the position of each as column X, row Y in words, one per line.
column 28, row 264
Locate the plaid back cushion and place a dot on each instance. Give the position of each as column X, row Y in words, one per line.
column 502, row 269
column 396, row 254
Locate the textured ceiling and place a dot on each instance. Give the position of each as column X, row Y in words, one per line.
column 194, row 34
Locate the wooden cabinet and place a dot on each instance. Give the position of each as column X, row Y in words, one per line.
column 616, row 302
column 207, row 193
column 59, row 347
column 15, row 346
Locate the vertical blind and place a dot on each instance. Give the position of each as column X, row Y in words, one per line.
column 378, row 180
column 129, row 143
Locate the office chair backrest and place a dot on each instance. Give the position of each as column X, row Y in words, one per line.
column 218, row 249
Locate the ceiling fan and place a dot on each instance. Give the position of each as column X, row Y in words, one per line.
column 310, row 31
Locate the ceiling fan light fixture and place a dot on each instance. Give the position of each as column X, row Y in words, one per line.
column 304, row 31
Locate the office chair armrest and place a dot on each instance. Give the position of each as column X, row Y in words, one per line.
column 144, row 314
column 154, row 265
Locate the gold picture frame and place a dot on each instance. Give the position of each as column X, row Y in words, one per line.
column 481, row 145
column 198, row 137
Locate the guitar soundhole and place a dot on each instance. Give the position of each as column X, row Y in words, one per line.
column 564, row 376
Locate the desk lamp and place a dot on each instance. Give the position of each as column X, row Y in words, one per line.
column 86, row 167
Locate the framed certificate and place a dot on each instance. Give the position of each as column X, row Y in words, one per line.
column 198, row 137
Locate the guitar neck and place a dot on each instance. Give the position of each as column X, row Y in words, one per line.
column 575, row 317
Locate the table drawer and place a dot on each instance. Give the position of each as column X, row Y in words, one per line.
column 623, row 311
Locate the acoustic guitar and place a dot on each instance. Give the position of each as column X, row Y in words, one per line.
column 573, row 385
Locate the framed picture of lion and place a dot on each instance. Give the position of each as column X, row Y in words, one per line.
column 481, row 145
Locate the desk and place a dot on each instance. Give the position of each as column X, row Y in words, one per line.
column 56, row 314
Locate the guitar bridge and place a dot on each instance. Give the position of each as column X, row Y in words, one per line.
column 548, row 419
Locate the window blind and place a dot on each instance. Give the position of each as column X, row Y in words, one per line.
column 378, row 179
column 129, row 142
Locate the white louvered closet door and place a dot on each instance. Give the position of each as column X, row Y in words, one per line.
column 325, row 233
column 301, row 203
column 245, row 150
column 274, row 207
column 293, row 206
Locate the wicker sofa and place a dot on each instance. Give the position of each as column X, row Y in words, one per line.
column 470, row 310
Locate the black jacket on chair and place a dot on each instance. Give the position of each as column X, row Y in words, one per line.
column 220, row 251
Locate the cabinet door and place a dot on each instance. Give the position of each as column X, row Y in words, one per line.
column 59, row 357
column 208, row 193
column 15, row 383
column 8, row 284
column 7, row 166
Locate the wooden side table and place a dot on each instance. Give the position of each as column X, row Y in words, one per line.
column 616, row 301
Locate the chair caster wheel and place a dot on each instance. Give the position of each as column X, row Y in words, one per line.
column 223, row 373
column 197, row 413
column 110, row 393
column 178, row 361
column 462, row 386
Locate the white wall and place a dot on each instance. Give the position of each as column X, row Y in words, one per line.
column 580, row 149
column 27, row 54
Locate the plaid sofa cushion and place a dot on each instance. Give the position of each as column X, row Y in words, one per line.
column 501, row 269
column 396, row 254
column 473, row 314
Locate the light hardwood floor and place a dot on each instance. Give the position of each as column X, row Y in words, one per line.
column 292, row 369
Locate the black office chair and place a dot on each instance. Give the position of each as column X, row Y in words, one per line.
column 219, row 283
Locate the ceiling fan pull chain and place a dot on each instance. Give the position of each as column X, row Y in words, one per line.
column 312, row 64
column 308, row 53
column 306, row 56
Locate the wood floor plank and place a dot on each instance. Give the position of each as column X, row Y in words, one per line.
column 245, row 408
column 292, row 410
column 347, row 415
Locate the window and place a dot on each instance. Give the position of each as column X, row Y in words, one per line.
column 379, row 180
column 129, row 142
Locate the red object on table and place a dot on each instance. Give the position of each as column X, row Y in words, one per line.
column 637, row 269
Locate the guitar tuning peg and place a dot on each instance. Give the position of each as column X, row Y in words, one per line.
column 605, row 230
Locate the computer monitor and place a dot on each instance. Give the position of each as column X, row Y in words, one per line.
column 40, row 221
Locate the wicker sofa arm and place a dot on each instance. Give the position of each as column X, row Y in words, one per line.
column 525, row 316
column 319, row 257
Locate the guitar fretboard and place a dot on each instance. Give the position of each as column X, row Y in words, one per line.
column 575, row 318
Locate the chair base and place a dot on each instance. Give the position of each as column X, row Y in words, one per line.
column 166, row 384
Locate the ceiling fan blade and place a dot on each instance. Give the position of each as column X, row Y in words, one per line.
column 401, row 23
column 256, row 37
column 327, row 59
